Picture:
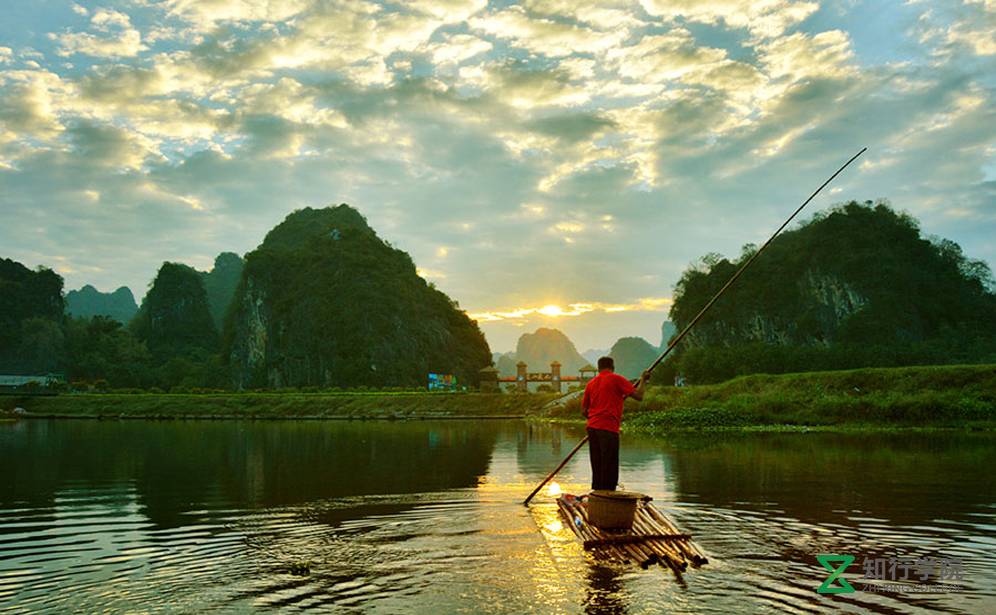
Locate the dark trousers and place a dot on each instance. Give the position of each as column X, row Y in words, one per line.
column 603, row 446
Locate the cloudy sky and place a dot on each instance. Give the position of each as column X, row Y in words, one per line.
column 554, row 162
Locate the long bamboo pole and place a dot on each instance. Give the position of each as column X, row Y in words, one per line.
column 557, row 469
column 674, row 341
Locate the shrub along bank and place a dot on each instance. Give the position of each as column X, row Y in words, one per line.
column 933, row 396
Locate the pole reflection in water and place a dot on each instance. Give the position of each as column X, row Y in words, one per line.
column 604, row 591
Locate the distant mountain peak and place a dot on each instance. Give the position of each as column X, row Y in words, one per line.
column 220, row 284
column 227, row 259
column 545, row 345
column 310, row 224
column 88, row 302
column 632, row 355
column 594, row 354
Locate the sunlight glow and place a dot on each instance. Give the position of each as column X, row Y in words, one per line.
column 644, row 304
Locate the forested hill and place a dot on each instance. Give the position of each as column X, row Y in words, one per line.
column 632, row 355
column 324, row 301
column 855, row 286
column 88, row 302
column 545, row 346
column 31, row 308
column 175, row 318
column 220, row 284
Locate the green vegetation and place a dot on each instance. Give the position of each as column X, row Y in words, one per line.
column 101, row 349
column 505, row 363
column 220, row 284
column 881, row 398
column 174, row 319
column 323, row 301
column 282, row 404
column 88, row 302
column 854, row 287
column 30, row 313
column 935, row 396
column 632, row 355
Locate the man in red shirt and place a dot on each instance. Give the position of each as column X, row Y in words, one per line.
column 603, row 407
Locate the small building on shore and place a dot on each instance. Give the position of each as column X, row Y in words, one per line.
column 26, row 383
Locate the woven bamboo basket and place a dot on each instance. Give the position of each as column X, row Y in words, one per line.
column 613, row 510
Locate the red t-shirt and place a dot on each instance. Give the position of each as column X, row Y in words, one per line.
column 603, row 397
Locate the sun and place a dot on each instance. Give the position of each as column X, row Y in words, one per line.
column 551, row 310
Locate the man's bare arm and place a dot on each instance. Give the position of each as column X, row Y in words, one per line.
column 641, row 387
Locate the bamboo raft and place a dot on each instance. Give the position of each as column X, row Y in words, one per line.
column 654, row 538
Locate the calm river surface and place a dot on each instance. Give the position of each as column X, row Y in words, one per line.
column 426, row 517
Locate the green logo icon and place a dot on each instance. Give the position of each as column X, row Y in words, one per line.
column 827, row 560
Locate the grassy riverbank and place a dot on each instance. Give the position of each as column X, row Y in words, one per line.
column 346, row 405
column 937, row 396
column 911, row 397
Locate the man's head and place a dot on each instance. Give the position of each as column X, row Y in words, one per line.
column 606, row 363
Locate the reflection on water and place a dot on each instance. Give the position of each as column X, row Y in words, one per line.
column 425, row 516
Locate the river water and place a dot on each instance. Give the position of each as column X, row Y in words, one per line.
column 425, row 517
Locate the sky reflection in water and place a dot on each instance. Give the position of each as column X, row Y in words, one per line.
column 426, row 516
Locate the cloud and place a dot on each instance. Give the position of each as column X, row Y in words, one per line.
column 115, row 37
column 979, row 38
column 522, row 87
column 546, row 36
column 206, row 14
column 572, row 127
column 800, row 56
column 110, row 146
column 677, row 59
column 31, row 101
column 448, row 10
column 456, row 48
column 554, row 149
column 608, row 15
column 430, row 274
column 552, row 310
column 663, row 57
column 766, row 19
column 963, row 29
